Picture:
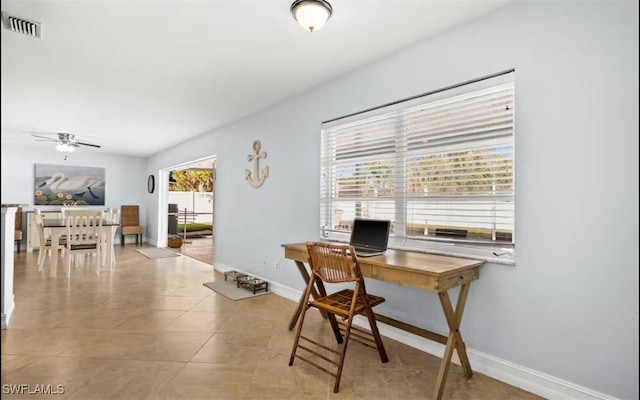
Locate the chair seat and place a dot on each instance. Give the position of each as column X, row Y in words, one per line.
column 131, row 230
column 18, row 235
column 83, row 246
column 61, row 242
column 340, row 302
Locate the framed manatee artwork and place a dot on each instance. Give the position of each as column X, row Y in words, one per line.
column 59, row 185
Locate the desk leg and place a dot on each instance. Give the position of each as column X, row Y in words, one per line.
column 296, row 314
column 454, row 341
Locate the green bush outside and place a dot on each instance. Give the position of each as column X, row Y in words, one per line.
column 198, row 226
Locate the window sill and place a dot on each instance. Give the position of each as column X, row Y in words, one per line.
column 493, row 254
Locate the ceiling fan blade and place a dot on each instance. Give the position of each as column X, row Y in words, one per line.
column 89, row 144
column 45, row 138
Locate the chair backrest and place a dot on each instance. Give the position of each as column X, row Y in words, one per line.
column 72, row 210
column 333, row 262
column 19, row 219
column 129, row 216
column 112, row 215
column 40, row 227
column 84, row 229
column 18, row 228
column 37, row 216
column 82, row 212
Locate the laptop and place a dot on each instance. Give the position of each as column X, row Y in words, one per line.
column 369, row 237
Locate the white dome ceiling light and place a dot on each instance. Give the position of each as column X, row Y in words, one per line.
column 311, row 14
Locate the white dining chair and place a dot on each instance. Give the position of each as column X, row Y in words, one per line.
column 45, row 241
column 84, row 236
column 66, row 211
column 112, row 216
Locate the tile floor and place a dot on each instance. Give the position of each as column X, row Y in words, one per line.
column 150, row 330
column 202, row 249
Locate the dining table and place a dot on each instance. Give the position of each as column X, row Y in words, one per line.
column 57, row 228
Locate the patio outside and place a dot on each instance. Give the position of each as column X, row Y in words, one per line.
column 191, row 204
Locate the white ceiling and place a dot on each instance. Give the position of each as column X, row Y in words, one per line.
column 140, row 76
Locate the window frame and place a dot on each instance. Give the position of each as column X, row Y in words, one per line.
column 502, row 252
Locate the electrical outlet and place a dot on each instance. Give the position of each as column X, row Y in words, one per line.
column 276, row 265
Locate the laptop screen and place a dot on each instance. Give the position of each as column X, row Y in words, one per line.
column 370, row 234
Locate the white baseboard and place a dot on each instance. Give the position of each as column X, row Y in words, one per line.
column 285, row 291
column 274, row 287
column 222, row 267
column 531, row 380
column 505, row 371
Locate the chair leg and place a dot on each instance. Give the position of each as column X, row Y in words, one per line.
column 307, row 294
column 347, row 333
column 298, row 332
column 69, row 255
column 19, row 245
column 368, row 311
column 98, row 259
column 331, row 317
column 122, row 240
column 376, row 336
column 42, row 253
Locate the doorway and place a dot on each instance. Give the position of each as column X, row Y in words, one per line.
column 188, row 205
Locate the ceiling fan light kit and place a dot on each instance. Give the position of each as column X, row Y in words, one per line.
column 66, row 142
column 65, row 148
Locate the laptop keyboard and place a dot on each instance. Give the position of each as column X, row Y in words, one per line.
column 360, row 250
column 366, row 252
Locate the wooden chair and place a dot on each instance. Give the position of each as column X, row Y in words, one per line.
column 18, row 228
column 130, row 223
column 337, row 263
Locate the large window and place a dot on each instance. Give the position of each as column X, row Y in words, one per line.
column 439, row 166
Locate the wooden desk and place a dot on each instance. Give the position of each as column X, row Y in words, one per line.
column 58, row 227
column 430, row 272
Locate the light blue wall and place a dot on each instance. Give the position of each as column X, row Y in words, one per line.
column 125, row 177
column 569, row 307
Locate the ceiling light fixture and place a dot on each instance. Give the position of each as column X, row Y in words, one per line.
column 66, row 142
column 65, row 148
column 311, row 14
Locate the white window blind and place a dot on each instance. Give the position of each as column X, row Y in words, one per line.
column 439, row 166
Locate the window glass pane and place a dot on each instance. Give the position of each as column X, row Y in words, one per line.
column 440, row 167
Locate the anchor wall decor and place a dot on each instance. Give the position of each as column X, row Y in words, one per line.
column 256, row 180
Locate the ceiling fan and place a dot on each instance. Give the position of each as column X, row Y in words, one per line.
column 67, row 142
